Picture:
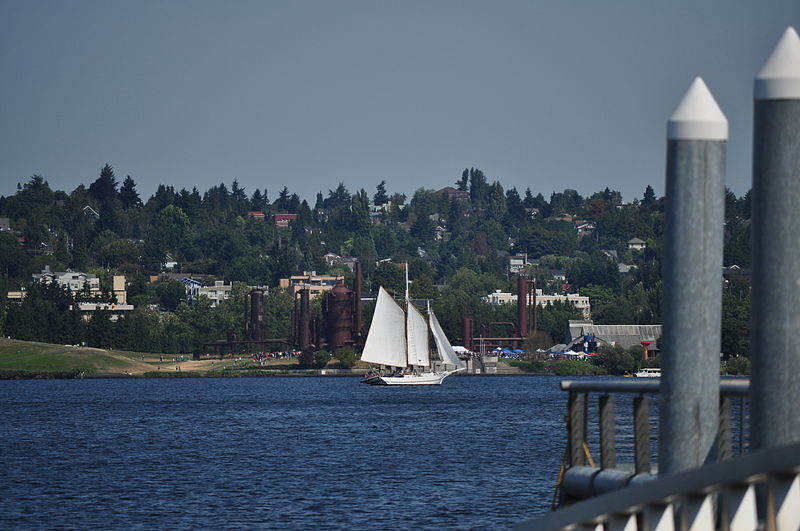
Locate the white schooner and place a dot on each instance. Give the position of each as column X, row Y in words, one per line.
column 400, row 339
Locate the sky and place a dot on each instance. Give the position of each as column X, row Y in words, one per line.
column 545, row 95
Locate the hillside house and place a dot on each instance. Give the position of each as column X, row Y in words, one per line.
column 282, row 220
column 636, row 244
column 453, row 193
column 517, row 263
column 586, row 228
column 79, row 282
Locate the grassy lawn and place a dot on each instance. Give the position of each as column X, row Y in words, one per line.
column 46, row 358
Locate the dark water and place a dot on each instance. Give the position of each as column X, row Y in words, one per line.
column 278, row 453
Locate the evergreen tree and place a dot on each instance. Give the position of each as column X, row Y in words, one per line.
column 478, row 187
column 100, row 330
column 360, row 210
column 496, row 202
column 258, row 202
column 239, row 199
column 190, row 202
column 282, row 203
column 463, row 182
column 128, row 195
column 380, row 197
column 338, row 197
column 649, row 197
column 294, row 204
column 164, row 196
column 104, row 189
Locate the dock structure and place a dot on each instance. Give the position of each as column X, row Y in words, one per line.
column 706, row 478
column 697, row 135
column 775, row 319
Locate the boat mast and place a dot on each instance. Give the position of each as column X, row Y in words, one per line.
column 408, row 312
column 408, row 299
column 431, row 361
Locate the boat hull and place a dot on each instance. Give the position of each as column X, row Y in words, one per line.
column 427, row 378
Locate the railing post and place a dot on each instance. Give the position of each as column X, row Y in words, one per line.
column 608, row 446
column 774, row 411
column 658, row 517
column 738, row 510
column 641, row 433
column 697, row 511
column 724, row 443
column 576, row 422
column 743, row 424
column 695, row 217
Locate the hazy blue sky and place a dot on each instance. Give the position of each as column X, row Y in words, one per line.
column 547, row 95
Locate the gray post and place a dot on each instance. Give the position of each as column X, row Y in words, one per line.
column 695, row 217
column 775, row 317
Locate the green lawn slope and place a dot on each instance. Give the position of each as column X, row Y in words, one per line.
column 27, row 358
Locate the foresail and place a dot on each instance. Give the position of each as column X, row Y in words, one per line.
column 386, row 341
column 446, row 352
column 417, row 329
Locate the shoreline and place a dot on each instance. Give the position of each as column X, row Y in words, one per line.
column 27, row 360
column 309, row 373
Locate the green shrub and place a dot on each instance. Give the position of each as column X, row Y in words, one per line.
column 575, row 368
column 346, row 356
column 739, row 365
column 321, row 358
column 538, row 367
column 615, row 360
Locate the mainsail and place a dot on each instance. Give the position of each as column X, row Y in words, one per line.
column 417, row 332
column 386, row 342
column 446, row 352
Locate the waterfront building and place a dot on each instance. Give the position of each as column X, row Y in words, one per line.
column 624, row 336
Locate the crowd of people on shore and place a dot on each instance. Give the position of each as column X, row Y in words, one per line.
column 261, row 357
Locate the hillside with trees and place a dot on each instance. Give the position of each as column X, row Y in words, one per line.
column 456, row 240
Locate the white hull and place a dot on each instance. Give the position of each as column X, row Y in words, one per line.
column 426, row 378
column 649, row 373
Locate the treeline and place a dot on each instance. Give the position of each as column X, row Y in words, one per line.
column 49, row 313
column 457, row 248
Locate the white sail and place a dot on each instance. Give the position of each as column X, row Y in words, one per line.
column 446, row 352
column 386, row 341
column 417, row 331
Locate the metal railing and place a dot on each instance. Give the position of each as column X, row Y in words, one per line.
column 760, row 490
column 579, row 481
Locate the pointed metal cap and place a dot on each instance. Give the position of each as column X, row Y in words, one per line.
column 697, row 117
column 779, row 79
